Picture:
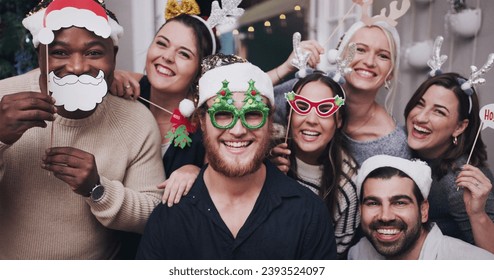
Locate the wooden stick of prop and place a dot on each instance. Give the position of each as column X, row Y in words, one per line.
column 156, row 105
column 48, row 91
column 288, row 125
column 475, row 142
column 473, row 147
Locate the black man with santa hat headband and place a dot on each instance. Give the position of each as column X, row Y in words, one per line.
column 103, row 163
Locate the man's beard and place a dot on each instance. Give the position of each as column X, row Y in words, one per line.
column 398, row 247
column 235, row 169
column 78, row 92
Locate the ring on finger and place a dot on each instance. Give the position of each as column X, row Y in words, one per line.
column 127, row 86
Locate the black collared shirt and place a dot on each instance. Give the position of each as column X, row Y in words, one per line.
column 288, row 221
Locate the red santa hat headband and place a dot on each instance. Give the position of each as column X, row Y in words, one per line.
column 89, row 14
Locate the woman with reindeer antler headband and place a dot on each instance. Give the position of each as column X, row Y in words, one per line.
column 442, row 120
column 172, row 71
column 370, row 127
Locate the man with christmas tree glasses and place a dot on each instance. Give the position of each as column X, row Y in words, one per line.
column 242, row 206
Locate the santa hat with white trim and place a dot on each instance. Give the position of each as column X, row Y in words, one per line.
column 416, row 169
column 89, row 14
column 237, row 71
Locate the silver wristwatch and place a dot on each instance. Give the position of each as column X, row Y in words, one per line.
column 97, row 193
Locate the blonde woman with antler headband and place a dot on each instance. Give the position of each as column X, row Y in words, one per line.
column 370, row 127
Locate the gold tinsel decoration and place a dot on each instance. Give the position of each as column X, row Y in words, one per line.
column 174, row 9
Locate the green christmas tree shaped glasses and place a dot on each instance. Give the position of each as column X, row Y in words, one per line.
column 224, row 114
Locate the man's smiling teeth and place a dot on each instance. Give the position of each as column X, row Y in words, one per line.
column 365, row 73
column 421, row 129
column 237, row 144
column 388, row 231
column 164, row 71
column 310, row 133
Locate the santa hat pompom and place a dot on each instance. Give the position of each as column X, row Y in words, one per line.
column 332, row 56
column 46, row 36
column 186, row 107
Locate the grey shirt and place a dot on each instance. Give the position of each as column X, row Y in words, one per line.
column 393, row 144
column 447, row 207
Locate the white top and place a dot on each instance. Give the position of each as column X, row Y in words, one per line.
column 436, row 247
column 309, row 175
column 347, row 217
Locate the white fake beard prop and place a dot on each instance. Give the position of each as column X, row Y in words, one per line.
column 78, row 92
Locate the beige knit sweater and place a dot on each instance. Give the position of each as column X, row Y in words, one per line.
column 40, row 216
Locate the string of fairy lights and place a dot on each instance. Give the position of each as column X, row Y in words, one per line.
column 268, row 24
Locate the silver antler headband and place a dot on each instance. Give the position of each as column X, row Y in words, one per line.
column 225, row 15
column 437, row 60
column 301, row 58
column 476, row 75
column 476, row 78
column 342, row 65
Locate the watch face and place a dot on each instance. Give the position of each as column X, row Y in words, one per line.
column 97, row 193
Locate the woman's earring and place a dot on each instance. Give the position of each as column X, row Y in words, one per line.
column 455, row 140
column 387, row 85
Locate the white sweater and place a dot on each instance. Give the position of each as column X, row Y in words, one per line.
column 42, row 218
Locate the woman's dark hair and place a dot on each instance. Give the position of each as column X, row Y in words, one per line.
column 333, row 157
column 453, row 81
column 204, row 41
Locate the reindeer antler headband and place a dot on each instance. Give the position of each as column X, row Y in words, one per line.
column 436, row 60
column 301, row 59
column 476, row 75
column 383, row 21
column 225, row 15
column 394, row 12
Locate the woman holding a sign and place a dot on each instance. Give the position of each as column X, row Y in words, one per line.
column 442, row 120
